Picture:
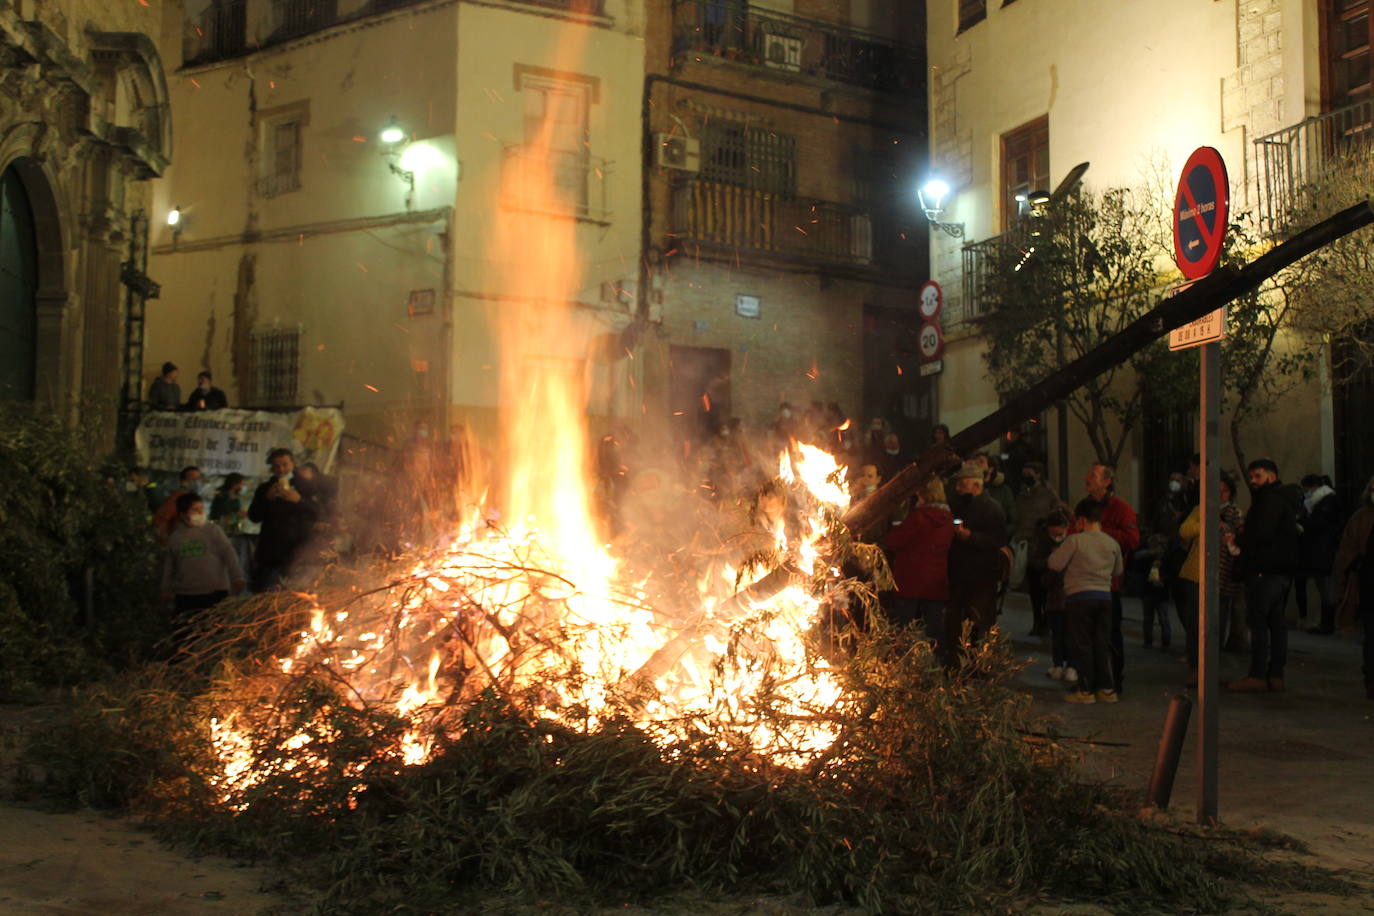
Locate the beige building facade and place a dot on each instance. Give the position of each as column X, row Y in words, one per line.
column 783, row 245
column 1020, row 92
column 320, row 259
column 85, row 124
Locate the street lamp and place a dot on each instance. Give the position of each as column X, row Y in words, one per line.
column 932, row 197
column 392, row 137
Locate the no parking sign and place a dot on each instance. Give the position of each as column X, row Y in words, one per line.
column 1201, row 209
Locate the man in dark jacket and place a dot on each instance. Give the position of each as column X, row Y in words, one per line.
column 205, row 396
column 287, row 509
column 1268, row 557
column 978, row 562
column 1319, row 533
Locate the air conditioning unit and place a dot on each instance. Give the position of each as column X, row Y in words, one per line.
column 678, row 152
column 782, row 53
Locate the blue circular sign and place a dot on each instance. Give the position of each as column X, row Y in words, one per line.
column 1201, row 209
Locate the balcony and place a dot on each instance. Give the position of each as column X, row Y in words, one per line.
column 739, row 219
column 294, row 18
column 555, row 183
column 1289, row 160
column 789, row 44
column 222, row 31
column 985, row 259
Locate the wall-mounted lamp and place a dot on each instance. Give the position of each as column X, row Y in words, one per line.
column 392, row 137
column 174, row 219
column 932, row 198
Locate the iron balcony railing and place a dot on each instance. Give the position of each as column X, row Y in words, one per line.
column 223, row 30
column 554, row 182
column 987, row 258
column 300, row 17
column 790, row 44
column 1289, row 160
column 740, row 219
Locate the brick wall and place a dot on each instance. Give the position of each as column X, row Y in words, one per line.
column 807, row 344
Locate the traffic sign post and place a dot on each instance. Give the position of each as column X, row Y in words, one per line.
column 1201, row 209
column 931, row 342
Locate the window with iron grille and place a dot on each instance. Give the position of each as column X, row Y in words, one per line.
column 281, row 140
column 274, row 367
column 972, row 12
column 1025, row 166
column 749, row 156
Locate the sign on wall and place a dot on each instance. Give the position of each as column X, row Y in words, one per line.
column 228, row 441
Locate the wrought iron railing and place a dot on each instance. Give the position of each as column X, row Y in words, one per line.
column 300, row 17
column 555, row 182
column 740, row 219
column 585, row 7
column 1289, row 160
column 223, row 30
column 991, row 256
column 790, row 44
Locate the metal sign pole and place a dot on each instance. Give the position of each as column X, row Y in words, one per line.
column 1209, row 605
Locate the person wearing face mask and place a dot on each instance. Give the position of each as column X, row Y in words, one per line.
column 165, row 518
column 1049, row 534
column 1034, row 504
column 199, row 567
column 1268, row 558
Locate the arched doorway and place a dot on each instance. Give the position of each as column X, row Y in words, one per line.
column 18, row 286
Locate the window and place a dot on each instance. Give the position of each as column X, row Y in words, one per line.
column 280, row 146
column 557, row 142
column 1347, row 61
column 749, row 156
column 1025, row 166
column 972, row 12
column 298, row 17
column 274, row 367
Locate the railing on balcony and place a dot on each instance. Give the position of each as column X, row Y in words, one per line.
column 585, row 7
column 740, row 219
column 554, row 182
column 223, row 30
column 300, row 17
column 790, row 44
column 1288, row 160
column 987, row 258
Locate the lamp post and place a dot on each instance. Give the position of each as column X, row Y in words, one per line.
column 393, row 137
column 932, row 196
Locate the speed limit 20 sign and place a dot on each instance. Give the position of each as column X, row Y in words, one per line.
column 931, row 341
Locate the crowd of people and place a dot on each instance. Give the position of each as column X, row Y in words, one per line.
column 219, row 541
column 954, row 549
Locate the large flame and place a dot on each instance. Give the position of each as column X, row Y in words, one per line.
column 536, row 607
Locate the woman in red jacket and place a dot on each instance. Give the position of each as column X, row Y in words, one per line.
column 919, row 552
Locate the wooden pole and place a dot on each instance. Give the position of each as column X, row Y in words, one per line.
column 1206, row 295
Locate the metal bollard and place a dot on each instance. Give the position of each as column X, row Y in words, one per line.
column 1170, row 748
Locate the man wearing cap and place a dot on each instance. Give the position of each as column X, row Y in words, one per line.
column 1035, row 501
column 977, row 558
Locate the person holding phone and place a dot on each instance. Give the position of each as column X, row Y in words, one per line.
column 977, row 560
column 287, row 511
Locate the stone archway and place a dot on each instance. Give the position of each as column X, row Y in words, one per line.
column 40, row 272
column 18, row 286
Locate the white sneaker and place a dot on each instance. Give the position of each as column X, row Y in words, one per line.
column 1070, row 676
column 1055, row 674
